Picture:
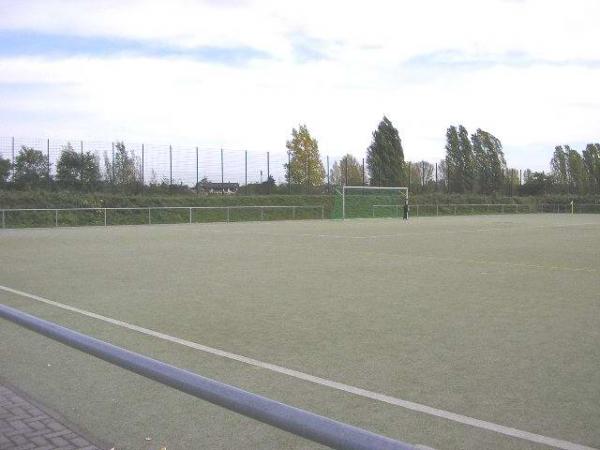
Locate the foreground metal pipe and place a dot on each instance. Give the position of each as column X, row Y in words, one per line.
column 302, row 423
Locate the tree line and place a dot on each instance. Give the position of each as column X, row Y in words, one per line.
column 74, row 169
column 473, row 163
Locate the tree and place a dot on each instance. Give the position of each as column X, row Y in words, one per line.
column 31, row 167
column 124, row 169
column 482, row 167
column 466, row 157
column 591, row 163
column 305, row 163
column 422, row 174
column 68, row 167
column 442, row 176
column 512, row 181
column 76, row 169
column 413, row 176
column 385, row 156
column 90, row 170
column 454, row 164
column 347, row 172
column 536, row 183
column 575, row 171
column 5, row 167
column 488, row 162
column 559, row 167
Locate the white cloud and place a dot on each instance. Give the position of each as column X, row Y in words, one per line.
column 365, row 72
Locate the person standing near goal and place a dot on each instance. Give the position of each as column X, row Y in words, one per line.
column 405, row 211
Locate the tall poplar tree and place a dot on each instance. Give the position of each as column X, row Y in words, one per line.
column 385, row 156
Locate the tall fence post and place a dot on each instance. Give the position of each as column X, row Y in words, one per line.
column 222, row 176
column 112, row 163
column 268, row 172
column 520, row 176
column 81, row 153
column 246, row 169
column 197, row 174
column 307, row 178
column 143, row 170
column 149, row 217
column 48, row 156
column 289, row 171
column 190, row 215
column 3, row 219
column 436, row 178
column 13, row 159
column 170, row 165
column 322, row 211
column 104, row 216
column 56, row 217
column 363, row 171
column 447, row 177
column 346, row 172
column 328, row 180
column 437, row 209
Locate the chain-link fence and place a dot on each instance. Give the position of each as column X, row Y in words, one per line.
column 138, row 167
column 177, row 167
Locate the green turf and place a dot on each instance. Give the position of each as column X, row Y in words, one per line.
column 494, row 317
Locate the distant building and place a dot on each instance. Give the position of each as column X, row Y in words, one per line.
column 209, row 187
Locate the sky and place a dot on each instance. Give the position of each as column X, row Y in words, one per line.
column 241, row 74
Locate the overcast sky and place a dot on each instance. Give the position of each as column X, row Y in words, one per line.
column 241, row 74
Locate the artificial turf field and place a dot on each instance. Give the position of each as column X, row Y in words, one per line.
column 495, row 318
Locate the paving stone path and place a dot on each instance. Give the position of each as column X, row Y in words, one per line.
column 25, row 425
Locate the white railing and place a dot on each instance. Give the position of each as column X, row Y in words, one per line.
column 103, row 213
column 460, row 209
column 575, row 208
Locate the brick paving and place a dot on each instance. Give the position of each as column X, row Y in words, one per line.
column 25, row 425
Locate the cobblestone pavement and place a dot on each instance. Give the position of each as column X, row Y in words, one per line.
column 25, row 425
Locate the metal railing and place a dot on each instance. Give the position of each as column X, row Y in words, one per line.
column 575, row 208
column 303, row 423
column 103, row 213
column 460, row 209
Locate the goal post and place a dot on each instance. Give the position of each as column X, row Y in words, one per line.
column 369, row 201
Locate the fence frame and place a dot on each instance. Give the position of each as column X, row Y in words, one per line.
column 562, row 208
column 455, row 206
column 227, row 209
column 300, row 422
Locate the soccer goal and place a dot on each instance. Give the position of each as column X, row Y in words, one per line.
column 369, row 201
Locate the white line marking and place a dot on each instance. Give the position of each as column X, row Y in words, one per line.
column 459, row 418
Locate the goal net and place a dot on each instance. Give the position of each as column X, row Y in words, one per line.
column 369, row 201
